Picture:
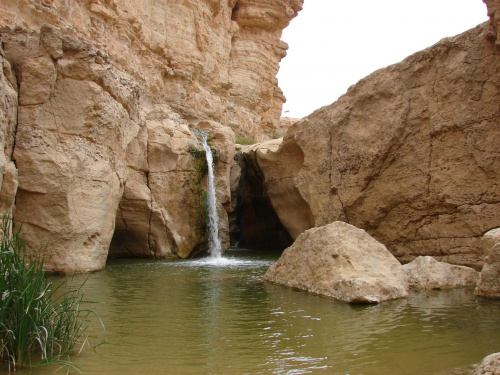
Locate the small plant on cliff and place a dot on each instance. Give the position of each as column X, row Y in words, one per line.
column 37, row 323
column 244, row 141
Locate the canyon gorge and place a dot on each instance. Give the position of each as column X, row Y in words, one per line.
column 99, row 101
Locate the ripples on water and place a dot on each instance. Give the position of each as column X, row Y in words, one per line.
column 211, row 316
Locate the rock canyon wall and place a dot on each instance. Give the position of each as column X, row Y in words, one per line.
column 98, row 100
column 409, row 153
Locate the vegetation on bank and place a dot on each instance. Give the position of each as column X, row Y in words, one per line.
column 39, row 324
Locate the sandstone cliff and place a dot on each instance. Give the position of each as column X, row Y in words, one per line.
column 98, row 103
column 410, row 154
column 208, row 59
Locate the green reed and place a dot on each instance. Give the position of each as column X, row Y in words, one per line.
column 38, row 323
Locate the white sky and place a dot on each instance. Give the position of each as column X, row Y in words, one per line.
column 334, row 43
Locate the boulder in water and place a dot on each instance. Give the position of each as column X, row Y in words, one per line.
column 341, row 261
column 489, row 280
column 427, row 273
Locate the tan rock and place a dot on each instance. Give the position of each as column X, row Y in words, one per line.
column 489, row 240
column 343, row 262
column 426, row 273
column 8, row 120
column 37, row 80
column 489, row 280
column 213, row 60
column 161, row 213
column 489, row 366
column 73, row 128
column 494, row 14
column 409, row 153
column 100, row 141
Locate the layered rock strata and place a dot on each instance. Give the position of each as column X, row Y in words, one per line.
column 98, row 103
column 207, row 59
column 409, row 153
column 343, row 262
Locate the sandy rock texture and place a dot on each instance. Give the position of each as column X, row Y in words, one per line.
column 409, row 154
column 427, row 273
column 8, row 123
column 489, row 366
column 489, row 281
column 96, row 164
column 208, row 59
column 99, row 101
column 343, row 262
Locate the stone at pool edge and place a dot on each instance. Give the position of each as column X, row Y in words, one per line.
column 340, row 261
column 427, row 273
column 489, row 280
column 489, row 366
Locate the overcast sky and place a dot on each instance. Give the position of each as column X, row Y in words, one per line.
column 333, row 43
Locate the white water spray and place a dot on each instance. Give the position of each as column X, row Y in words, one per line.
column 214, row 245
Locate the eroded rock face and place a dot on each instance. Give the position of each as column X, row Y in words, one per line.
column 207, row 59
column 427, row 273
column 90, row 154
column 102, row 98
column 409, row 153
column 8, row 123
column 489, row 366
column 75, row 120
column 255, row 223
column 489, row 281
column 343, row 262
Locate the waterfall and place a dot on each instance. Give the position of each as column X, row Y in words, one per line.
column 214, row 245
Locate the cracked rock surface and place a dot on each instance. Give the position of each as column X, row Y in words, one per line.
column 409, row 154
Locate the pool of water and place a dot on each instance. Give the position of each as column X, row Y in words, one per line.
column 203, row 317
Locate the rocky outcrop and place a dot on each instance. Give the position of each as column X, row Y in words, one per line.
column 207, row 59
column 98, row 103
column 92, row 156
column 254, row 222
column 489, row 280
column 8, row 123
column 409, row 153
column 343, row 262
column 427, row 273
column 494, row 14
column 489, row 366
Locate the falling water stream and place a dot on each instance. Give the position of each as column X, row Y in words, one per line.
column 215, row 248
column 217, row 316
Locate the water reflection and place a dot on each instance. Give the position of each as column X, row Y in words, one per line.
column 197, row 317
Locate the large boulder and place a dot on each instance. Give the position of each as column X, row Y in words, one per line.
column 489, row 240
column 489, row 280
column 427, row 273
column 409, row 154
column 489, row 366
column 341, row 261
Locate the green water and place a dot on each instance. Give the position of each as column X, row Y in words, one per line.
column 193, row 317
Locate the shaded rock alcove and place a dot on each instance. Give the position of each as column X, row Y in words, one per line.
column 253, row 220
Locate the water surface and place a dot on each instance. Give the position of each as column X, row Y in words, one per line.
column 209, row 317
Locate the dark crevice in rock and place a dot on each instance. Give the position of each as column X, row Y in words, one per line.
column 254, row 223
